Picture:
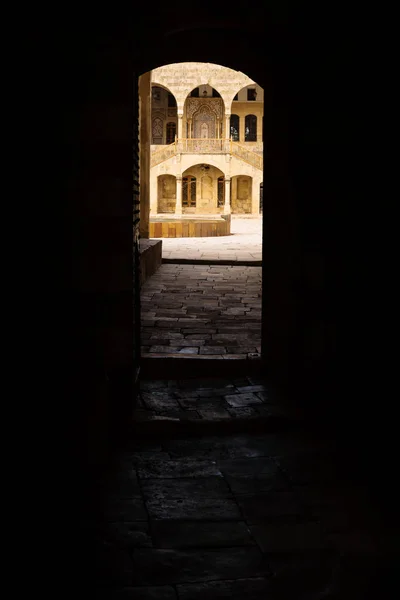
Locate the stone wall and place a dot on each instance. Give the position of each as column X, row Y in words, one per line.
column 241, row 194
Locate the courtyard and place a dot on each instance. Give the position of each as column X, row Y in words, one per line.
column 244, row 244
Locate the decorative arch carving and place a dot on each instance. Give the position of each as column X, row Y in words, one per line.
column 216, row 105
column 204, row 121
column 157, row 130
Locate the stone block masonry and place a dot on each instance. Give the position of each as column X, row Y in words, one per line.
column 202, row 310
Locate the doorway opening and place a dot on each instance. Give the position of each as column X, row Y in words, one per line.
column 202, row 157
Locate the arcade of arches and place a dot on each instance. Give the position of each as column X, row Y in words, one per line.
column 206, row 151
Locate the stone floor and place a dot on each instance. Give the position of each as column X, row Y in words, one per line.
column 206, row 311
column 208, row 399
column 243, row 517
column 244, row 244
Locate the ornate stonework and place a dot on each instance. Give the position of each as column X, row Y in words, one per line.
column 204, row 122
column 193, row 105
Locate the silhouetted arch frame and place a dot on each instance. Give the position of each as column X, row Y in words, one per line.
column 232, row 45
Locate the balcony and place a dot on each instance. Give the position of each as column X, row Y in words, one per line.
column 251, row 154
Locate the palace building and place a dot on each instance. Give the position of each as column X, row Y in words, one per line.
column 206, row 141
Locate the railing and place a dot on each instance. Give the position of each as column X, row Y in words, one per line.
column 249, row 156
column 165, row 153
column 202, row 146
column 207, row 146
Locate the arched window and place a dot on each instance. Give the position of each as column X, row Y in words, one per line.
column 250, row 128
column 189, row 191
column 195, row 93
column 221, row 192
column 157, row 131
column 171, row 130
column 234, row 133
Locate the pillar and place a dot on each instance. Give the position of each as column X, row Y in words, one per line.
column 255, row 195
column 234, row 190
column 227, row 206
column 178, row 205
column 227, row 126
column 180, row 126
column 153, row 194
column 241, row 128
column 259, row 127
column 144, row 151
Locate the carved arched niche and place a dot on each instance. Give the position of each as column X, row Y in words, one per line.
column 166, row 194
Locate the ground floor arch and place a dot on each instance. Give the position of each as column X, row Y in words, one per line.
column 241, row 194
column 166, row 193
column 201, row 189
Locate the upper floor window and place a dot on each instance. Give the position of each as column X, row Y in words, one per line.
column 195, row 93
column 171, row 100
column 251, row 94
column 250, row 128
column 156, row 93
column 171, row 130
column 157, row 130
column 234, row 133
column 236, row 97
column 215, row 94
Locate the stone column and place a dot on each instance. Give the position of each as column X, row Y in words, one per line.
column 227, row 126
column 180, row 126
column 144, row 151
column 241, row 128
column 227, row 206
column 153, row 194
column 255, row 195
column 178, row 206
column 259, row 128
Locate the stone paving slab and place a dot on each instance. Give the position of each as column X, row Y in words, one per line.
column 170, row 566
column 186, row 467
column 206, row 487
column 223, row 519
column 191, row 400
column 201, row 534
column 162, row 592
column 218, row 509
column 238, row 589
column 221, row 312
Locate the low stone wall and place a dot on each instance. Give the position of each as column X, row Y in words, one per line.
column 194, row 227
column 150, row 258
